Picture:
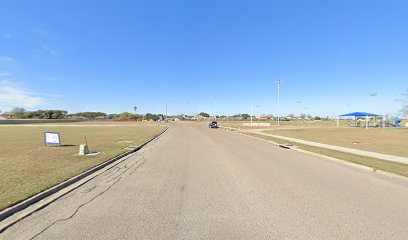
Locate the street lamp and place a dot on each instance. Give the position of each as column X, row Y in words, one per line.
column 278, row 83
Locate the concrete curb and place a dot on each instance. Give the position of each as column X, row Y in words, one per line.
column 231, row 129
column 13, row 214
column 337, row 160
column 391, row 175
column 340, row 161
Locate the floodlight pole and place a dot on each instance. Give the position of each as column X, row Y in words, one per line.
column 278, row 82
column 166, row 113
column 373, row 95
column 259, row 112
column 215, row 108
column 251, row 113
column 366, row 122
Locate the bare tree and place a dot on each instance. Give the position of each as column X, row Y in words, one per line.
column 19, row 112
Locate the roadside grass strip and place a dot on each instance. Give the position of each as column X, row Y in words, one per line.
column 377, row 164
column 27, row 167
column 392, row 141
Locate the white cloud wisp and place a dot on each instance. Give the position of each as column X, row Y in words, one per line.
column 13, row 96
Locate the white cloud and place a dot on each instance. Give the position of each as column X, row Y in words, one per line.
column 6, row 59
column 12, row 95
column 102, row 30
column 5, row 75
column 41, row 33
column 50, row 50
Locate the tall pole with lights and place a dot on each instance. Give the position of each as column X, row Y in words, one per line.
column 278, row 83
column 166, row 113
column 215, row 108
column 373, row 95
column 259, row 111
column 251, row 114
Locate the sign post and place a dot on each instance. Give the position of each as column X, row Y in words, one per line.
column 52, row 138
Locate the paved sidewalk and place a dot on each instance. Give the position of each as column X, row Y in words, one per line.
column 382, row 156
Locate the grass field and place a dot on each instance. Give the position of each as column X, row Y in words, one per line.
column 392, row 167
column 293, row 124
column 27, row 167
column 284, row 124
column 392, row 141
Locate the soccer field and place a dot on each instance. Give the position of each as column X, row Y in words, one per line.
column 27, row 167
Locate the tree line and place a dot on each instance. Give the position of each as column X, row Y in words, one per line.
column 245, row 116
column 22, row 113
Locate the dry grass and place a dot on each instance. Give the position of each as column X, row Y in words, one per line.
column 27, row 167
column 392, row 141
column 392, row 167
column 285, row 124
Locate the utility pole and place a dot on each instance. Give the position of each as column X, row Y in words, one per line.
column 278, row 82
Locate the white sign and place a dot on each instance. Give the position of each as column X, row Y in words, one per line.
column 52, row 138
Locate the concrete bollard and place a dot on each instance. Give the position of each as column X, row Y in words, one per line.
column 83, row 149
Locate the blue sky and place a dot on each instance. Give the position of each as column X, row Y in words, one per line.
column 112, row 55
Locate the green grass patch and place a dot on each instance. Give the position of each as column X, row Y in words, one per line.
column 27, row 167
column 392, row 167
column 382, row 140
column 283, row 124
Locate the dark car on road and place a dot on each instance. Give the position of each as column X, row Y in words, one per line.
column 213, row 125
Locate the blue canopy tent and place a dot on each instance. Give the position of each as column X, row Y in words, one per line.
column 361, row 114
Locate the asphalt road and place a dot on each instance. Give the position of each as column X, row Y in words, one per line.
column 200, row 183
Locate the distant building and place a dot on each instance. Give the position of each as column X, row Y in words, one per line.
column 200, row 118
column 8, row 115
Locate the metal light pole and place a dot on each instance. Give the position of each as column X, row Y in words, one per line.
column 259, row 112
column 373, row 95
column 278, row 82
column 166, row 113
column 215, row 108
column 251, row 114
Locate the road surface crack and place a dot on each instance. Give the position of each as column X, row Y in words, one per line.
column 76, row 210
column 116, row 179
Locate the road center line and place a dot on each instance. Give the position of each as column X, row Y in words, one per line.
column 230, row 166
